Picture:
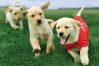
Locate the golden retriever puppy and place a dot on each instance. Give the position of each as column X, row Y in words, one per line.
column 39, row 29
column 14, row 17
column 74, row 35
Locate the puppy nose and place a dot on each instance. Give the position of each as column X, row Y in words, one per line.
column 39, row 21
column 61, row 33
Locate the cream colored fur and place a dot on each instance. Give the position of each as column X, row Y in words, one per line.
column 40, row 30
column 14, row 17
column 73, row 30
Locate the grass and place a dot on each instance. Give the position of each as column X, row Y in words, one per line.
column 16, row 50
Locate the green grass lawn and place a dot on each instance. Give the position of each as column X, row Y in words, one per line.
column 16, row 50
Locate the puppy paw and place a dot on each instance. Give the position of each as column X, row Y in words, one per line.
column 15, row 27
column 77, row 59
column 37, row 52
column 50, row 49
column 84, row 60
column 37, row 55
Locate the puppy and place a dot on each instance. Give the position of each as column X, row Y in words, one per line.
column 14, row 17
column 74, row 35
column 39, row 29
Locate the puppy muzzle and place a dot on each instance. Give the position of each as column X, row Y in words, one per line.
column 39, row 22
column 61, row 34
column 17, row 19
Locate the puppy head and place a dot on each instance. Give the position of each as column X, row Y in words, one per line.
column 65, row 26
column 36, row 14
column 16, row 12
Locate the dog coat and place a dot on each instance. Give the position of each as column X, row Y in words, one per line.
column 83, row 38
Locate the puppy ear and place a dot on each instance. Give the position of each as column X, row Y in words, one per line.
column 52, row 25
column 45, row 6
column 49, row 20
column 25, row 13
column 8, row 10
column 76, row 23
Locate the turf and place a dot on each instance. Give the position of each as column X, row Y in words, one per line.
column 16, row 50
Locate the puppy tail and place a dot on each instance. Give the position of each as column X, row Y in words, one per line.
column 49, row 20
column 80, row 11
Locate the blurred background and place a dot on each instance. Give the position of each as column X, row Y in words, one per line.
column 55, row 4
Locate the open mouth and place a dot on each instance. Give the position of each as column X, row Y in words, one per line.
column 63, row 40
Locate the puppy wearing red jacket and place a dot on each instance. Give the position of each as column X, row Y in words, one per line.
column 74, row 36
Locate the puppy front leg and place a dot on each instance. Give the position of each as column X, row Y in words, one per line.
column 50, row 45
column 75, row 55
column 6, row 21
column 21, row 25
column 35, row 46
column 84, row 55
column 13, row 25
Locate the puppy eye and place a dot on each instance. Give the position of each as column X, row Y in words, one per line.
column 58, row 27
column 15, row 13
column 32, row 15
column 40, row 13
column 66, row 27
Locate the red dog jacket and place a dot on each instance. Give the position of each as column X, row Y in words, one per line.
column 83, row 38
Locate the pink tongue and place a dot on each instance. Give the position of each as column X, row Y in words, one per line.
column 62, row 41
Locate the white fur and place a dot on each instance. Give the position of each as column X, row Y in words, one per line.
column 73, row 30
column 12, row 19
column 39, row 31
column 73, row 38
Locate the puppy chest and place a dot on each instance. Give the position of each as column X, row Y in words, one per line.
column 41, row 32
column 17, row 23
column 43, row 36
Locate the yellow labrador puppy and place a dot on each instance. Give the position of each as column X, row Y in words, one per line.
column 14, row 17
column 74, row 35
column 39, row 29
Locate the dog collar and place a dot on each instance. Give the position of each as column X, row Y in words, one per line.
column 67, row 38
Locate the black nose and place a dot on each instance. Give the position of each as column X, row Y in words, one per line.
column 39, row 21
column 61, row 33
